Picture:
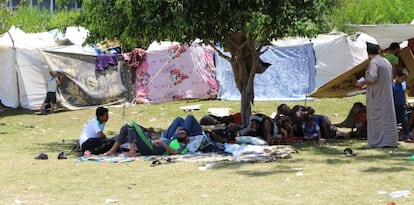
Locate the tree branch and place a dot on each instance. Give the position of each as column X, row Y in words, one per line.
column 219, row 52
column 260, row 48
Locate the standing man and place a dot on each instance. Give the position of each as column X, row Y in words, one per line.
column 382, row 123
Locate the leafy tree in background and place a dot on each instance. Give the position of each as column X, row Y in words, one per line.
column 242, row 27
column 35, row 19
column 372, row 12
column 3, row 14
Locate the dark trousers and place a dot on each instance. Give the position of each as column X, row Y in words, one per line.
column 129, row 135
column 97, row 145
column 402, row 117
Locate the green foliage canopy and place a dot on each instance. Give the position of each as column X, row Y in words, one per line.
column 138, row 23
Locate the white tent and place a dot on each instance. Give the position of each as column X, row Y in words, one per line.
column 335, row 53
column 24, row 71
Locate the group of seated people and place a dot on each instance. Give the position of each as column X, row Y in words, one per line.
column 289, row 124
column 299, row 123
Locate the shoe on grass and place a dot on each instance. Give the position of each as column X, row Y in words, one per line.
column 42, row 156
column 62, row 155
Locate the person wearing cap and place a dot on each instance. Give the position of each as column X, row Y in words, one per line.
column 381, row 120
column 399, row 87
column 392, row 56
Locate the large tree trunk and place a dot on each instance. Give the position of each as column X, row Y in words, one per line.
column 245, row 63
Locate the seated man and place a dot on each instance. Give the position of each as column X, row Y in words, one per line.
column 92, row 140
column 139, row 141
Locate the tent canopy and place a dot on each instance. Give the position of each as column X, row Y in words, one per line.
column 335, row 53
column 386, row 34
column 344, row 85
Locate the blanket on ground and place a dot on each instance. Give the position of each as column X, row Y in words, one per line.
column 268, row 154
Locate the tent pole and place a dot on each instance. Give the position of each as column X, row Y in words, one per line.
column 15, row 64
column 306, row 97
column 124, row 108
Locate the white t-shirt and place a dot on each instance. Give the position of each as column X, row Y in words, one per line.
column 91, row 130
column 51, row 85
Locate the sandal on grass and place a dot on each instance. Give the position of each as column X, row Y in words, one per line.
column 42, row 156
column 155, row 163
column 62, row 155
column 349, row 152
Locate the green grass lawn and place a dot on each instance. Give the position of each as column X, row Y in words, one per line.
column 315, row 175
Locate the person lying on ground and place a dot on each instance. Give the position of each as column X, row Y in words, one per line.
column 218, row 130
column 92, row 139
column 328, row 130
column 189, row 123
column 261, row 126
column 230, row 123
column 139, row 141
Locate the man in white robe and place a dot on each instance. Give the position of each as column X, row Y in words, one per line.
column 382, row 123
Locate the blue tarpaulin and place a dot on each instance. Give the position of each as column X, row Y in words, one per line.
column 291, row 75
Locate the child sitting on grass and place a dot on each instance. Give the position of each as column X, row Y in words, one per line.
column 359, row 121
column 311, row 129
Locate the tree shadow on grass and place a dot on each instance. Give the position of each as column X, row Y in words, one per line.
column 277, row 167
column 20, row 111
column 387, row 169
column 332, row 149
column 14, row 111
column 66, row 146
